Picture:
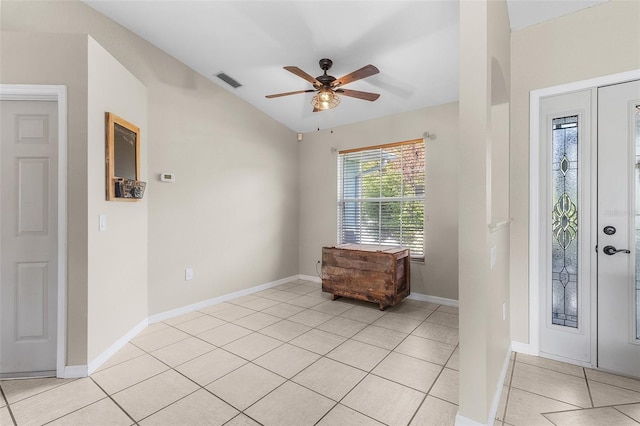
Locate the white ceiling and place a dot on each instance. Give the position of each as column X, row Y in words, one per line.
column 414, row 44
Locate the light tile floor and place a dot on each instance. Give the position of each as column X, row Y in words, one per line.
column 290, row 356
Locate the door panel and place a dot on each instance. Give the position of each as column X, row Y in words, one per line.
column 33, row 191
column 31, row 302
column 28, row 237
column 618, row 186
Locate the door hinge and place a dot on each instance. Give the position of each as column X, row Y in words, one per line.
column 596, row 248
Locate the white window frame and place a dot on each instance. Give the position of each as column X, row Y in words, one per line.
column 342, row 200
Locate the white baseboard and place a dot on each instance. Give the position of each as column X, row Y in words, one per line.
column 85, row 370
column 116, row 346
column 74, row 371
column 465, row 421
column 496, row 397
column 310, row 278
column 433, row 299
column 523, row 348
column 493, row 410
column 216, row 300
column 414, row 296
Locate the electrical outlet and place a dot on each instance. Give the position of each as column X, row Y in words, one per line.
column 188, row 274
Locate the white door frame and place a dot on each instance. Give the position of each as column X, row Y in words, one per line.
column 32, row 92
column 535, row 264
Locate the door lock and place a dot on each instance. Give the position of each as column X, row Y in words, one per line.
column 611, row 250
column 609, row 230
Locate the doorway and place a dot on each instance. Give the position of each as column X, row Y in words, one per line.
column 33, row 231
column 588, row 299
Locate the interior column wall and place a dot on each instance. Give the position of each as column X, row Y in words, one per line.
column 117, row 256
column 483, row 235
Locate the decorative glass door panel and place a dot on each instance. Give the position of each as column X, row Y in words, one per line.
column 564, row 221
column 565, row 224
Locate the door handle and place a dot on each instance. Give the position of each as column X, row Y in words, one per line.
column 611, row 250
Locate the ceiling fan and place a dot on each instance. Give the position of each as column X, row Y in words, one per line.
column 327, row 86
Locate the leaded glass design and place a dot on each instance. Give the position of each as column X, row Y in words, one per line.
column 564, row 221
column 637, row 217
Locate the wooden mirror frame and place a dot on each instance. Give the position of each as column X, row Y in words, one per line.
column 111, row 121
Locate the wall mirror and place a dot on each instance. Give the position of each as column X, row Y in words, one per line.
column 123, row 160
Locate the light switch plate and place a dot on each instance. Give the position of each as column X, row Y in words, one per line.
column 494, row 256
column 102, row 222
column 188, row 274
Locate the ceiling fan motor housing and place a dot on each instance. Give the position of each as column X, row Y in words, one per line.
column 325, row 65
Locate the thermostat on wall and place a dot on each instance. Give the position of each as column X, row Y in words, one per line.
column 167, row 177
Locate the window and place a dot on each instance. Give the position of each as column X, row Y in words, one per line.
column 381, row 196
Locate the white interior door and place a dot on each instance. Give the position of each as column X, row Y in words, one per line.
column 619, row 228
column 566, row 244
column 28, row 238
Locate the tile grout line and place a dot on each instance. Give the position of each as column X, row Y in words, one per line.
column 367, row 373
column 553, row 399
column 200, row 387
column 203, row 387
column 370, row 372
column 592, row 408
column 252, row 362
column 586, row 380
column 584, row 375
column 433, row 384
column 548, row 419
column 506, row 402
column 13, row 419
column 114, row 401
column 625, row 414
column 39, row 393
column 588, row 388
column 351, row 338
column 324, row 356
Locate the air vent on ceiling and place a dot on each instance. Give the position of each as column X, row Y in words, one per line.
column 230, row 81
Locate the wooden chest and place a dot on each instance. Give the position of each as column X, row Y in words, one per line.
column 372, row 273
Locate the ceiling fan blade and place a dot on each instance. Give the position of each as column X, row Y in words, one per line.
column 297, row 71
column 366, row 71
column 367, row 96
column 277, row 95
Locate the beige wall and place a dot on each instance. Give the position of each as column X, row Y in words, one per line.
column 438, row 275
column 232, row 214
column 62, row 59
column 117, row 257
column 598, row 41
column 484, row 120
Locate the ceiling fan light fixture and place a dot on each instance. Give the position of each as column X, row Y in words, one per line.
column 325, row 99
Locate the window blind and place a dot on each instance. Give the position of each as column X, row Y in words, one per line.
column 381, row 196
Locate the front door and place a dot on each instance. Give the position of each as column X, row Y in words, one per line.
column 28, row 238
column 619, row 228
